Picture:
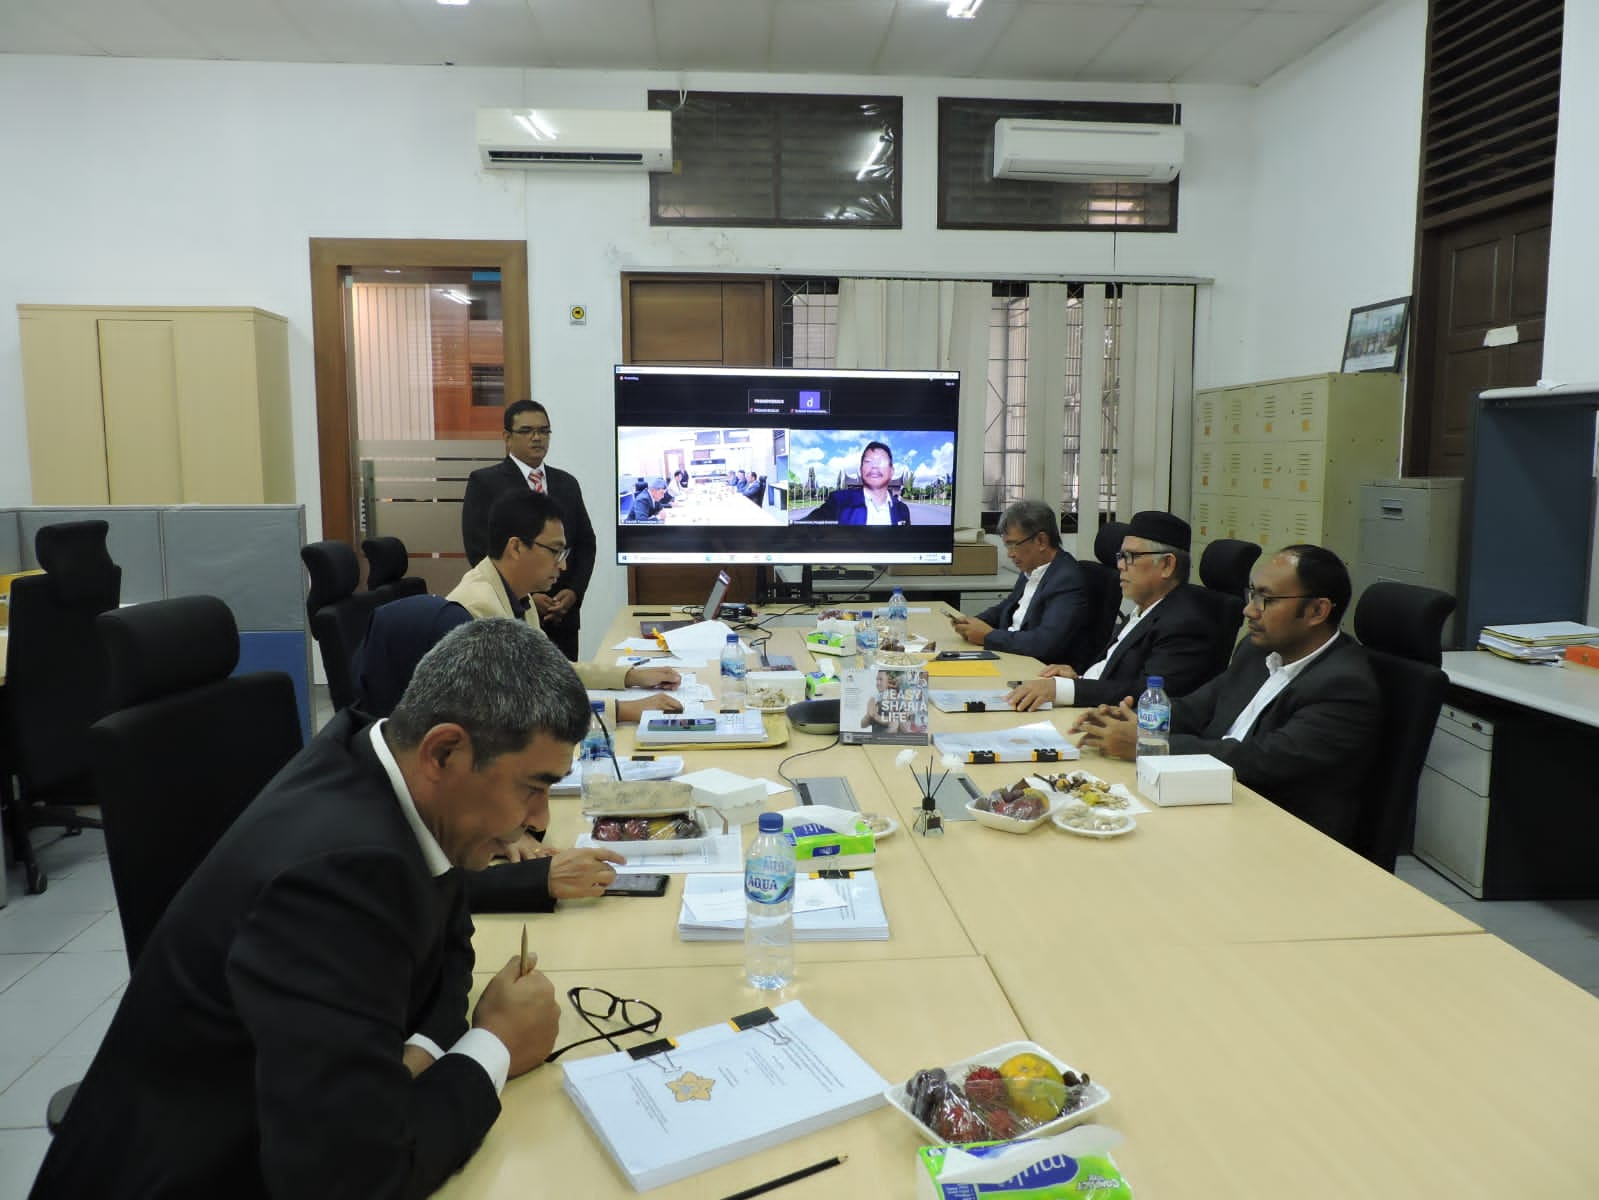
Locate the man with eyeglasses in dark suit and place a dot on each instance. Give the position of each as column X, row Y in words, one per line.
column 527, row 443
column 1297, row 712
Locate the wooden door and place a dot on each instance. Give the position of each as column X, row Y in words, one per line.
column 1480, row 323
column 701, row 321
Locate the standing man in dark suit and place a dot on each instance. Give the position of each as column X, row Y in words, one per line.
column 297, row 1023
column 527, row 442
column 1297, row 711
column 1170, row 633
column 1047, row 613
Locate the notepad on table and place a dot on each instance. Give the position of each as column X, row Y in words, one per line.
column 1041, row 742
column 825, row 910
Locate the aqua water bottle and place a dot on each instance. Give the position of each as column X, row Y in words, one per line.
column 1154, row 719
column 769, row 906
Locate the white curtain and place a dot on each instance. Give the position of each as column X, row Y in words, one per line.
column 391, row 351
column 1156, row 410
column 925, row 325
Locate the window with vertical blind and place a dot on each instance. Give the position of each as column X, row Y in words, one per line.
column 969, row 197
column 1492, row 105
column 807, row 323
column 779, row 159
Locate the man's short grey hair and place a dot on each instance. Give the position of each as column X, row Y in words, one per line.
column 1184, row 559
column 500, row 680
column 1029, row 518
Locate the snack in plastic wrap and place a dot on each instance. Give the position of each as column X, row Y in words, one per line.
column 647, row 829
column 1020, row 802
column 1066, row 1166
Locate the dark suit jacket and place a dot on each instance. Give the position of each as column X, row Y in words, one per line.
column 257, row 1049
column 1058, row 619
column 645, row 506
column 488, row 484
column 1176, row 641
column 1310, row 750
column 847, row 506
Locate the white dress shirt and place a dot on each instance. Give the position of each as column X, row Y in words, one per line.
column 878, row 514
column 481, row 1046
column 1278, row 677
column 1066, row 689
column 1034, row 578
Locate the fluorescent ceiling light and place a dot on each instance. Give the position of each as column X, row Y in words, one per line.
column 959, row 10
column 459, row 3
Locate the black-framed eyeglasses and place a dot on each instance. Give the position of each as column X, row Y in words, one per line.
column 1010, row 545
column 532, row 431
column 596, row 1004
column 1128, row 557
column 1254, row 595
column 561, row 553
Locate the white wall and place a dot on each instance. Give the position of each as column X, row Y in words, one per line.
column 1337, row 140
column 144, row 182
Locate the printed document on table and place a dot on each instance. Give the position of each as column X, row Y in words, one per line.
column 955, row 702
column 724, row 852
column 825, row 910
column 667, row 766
column 718, row 1094
column 1040, row 742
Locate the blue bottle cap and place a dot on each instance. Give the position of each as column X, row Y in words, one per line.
column 598, row 706
column 771, row 823
column 732, row 639
column 1157, row 681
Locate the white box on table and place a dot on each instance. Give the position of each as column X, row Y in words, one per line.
column 1173, row 779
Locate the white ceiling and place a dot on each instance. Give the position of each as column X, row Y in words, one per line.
column 1142, row 41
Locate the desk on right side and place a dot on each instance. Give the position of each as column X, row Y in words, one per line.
column 1506, row 807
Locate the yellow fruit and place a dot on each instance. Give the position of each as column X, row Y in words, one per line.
column 1033, row 1086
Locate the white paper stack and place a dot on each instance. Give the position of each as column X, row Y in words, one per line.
column 1040, row 742
column 825, row 910
column 1542, row 641
column 946, row 700
column 721, row 1093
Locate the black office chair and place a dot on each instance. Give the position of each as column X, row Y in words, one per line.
column 185, row 747
column 338, row 613
column 1108, row 541
column 1401, row 626
column 386, row 563
column 1224, row 574
column 55, row 683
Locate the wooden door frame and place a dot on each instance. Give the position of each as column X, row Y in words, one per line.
column 335, row 415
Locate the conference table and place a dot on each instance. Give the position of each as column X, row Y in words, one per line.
column 1273, row 1015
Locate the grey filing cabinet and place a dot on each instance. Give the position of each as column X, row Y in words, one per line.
column 1452, row 798
column 1409, row 533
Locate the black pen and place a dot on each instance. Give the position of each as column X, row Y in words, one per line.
column 760, row 1189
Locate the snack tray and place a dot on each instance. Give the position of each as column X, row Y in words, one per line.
column 1094, row 1096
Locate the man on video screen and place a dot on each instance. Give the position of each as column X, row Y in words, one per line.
column 870, row 504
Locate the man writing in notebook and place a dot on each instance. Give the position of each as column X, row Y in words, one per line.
column 1170, row 633
column 297, row 1024
column 1297, row 712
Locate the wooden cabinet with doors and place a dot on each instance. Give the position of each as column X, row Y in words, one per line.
column 157, row 405
column 1282, row 462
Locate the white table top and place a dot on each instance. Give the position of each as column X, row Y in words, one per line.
column 1566, row 691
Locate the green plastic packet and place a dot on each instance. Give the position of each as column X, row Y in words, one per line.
column 1074, row 1165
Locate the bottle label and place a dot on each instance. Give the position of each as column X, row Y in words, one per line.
column 1154, row 718
column 769, row 881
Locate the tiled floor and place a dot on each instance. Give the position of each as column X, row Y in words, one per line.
column 62, row 969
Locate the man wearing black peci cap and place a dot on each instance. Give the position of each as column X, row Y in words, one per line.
column 1169, row 635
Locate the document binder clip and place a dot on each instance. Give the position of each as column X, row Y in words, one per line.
column 1046, row 754
column 749, row 1020
column 651, row 1049
column 981, row 756
column 976, row 706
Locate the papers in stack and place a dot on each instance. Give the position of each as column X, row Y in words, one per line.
column 746, row 726
column 719, row 1093
column 720, row 852
column 668, row 766
column 1041, row 742
column 825, row 910
column 973, row 701
column 1542, row 641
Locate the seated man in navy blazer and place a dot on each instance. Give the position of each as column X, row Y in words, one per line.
column 873, row 503
column 1047, row 613
column 648, row 502
column 298, row 1022
column 1170, row 634
column 1297, row 712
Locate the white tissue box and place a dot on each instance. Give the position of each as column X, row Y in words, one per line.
column 1173, row 779
column 790, row 684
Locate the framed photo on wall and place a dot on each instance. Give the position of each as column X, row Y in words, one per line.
column 1376, row 337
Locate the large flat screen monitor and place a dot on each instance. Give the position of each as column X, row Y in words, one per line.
column 769, row 465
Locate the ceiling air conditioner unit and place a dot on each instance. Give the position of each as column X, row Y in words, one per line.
column 1086, row 151
column 532, row 138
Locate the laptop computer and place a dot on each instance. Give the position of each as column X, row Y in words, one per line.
column 713, row 605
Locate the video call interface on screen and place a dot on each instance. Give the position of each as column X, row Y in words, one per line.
column 775, row 466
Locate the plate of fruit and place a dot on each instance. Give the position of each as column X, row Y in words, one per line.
column 1019, row 808
column 1015, row 1090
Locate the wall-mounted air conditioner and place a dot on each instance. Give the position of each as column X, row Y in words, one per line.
column 1086, row 151
column 531, row 138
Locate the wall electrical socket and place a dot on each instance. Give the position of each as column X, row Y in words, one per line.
column 578, row 314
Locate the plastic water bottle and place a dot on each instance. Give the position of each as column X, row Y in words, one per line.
column 899, row 617
column 732, row 699
column 866, row 638
column 1154, row 719
column 769, row 906
column 596, row 760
